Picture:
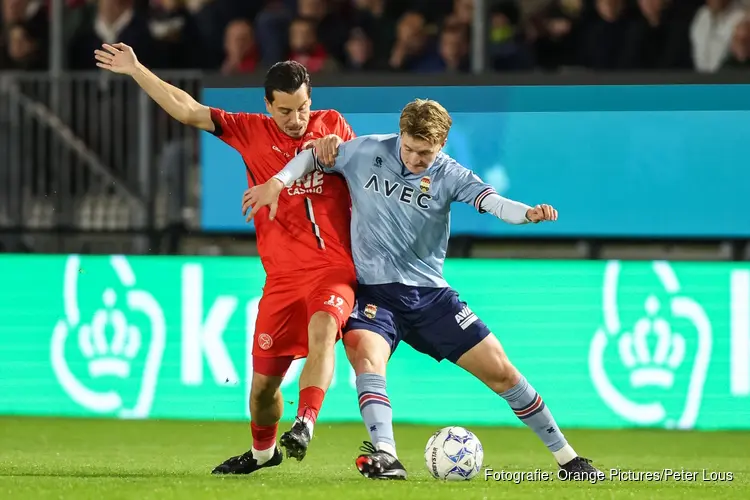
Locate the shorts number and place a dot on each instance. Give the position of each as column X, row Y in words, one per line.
column 335, row 301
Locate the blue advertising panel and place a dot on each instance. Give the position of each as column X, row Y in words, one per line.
column 616, row 161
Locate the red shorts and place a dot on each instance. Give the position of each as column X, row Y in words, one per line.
column 285, row 309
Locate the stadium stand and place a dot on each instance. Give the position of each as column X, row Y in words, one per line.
column 119, row 164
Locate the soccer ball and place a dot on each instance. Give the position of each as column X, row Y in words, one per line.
column 453, row 454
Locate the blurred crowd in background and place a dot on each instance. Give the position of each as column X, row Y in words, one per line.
column 246, row 36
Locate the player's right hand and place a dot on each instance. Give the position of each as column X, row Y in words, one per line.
column 260, row 196
column 117, row 58
column 326, row 149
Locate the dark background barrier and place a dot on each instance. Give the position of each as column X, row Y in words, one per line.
column 694, row 138
column 90, row 164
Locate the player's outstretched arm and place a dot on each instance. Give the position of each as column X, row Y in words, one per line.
column 469, row 188
column 120, row 58
column 267, row 194
column 514, row 212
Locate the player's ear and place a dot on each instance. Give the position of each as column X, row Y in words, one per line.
column 269, row 107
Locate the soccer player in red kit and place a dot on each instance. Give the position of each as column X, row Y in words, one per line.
column 310, row 276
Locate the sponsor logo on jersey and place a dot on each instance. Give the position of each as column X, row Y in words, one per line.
column 465, row 318
column 424, row 184
column 403, row 193
column 312, row 183
column 371, row 310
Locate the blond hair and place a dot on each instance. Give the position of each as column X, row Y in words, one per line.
column 426, row 120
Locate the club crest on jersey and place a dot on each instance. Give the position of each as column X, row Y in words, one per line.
column 278, row 150
column 424, row 184
column 378, row 162
column 371, row 310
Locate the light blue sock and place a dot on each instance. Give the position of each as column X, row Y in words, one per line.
column 531, row 410
column 376, row 411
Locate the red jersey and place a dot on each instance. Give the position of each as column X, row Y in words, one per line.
column 312, row 225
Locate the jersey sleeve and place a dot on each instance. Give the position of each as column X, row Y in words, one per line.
column 467, row 186
column 235, row 129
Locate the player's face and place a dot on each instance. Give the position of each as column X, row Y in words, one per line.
column 291, row 112
column 418, row 154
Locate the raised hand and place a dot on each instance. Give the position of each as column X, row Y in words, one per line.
column 117, row 58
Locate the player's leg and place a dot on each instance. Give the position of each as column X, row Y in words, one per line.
column 488, row 362
column 314, row 381
column 267, row 404
column 275, row 345
column 370, row 337
column 368, row 353
column 328, row 304
column 316, row 376
column 445, row 328
column 266, row 408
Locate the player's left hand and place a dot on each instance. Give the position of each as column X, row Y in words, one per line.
column 326, row 149
column 541, row 213
column 257, row 197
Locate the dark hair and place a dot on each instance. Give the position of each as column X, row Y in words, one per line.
column 287, row 77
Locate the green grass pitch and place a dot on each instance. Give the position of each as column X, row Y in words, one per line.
column 111, row 459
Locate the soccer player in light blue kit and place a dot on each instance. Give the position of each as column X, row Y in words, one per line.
column 402, row 186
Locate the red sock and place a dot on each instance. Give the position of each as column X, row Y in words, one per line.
column 264, row 436
column 310, row 401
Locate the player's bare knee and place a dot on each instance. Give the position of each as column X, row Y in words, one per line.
column 370, row 355
column 264, row 389
column 264, row 397
column 489, row 363
column 322, row 331
column 503, row 375
column 368, row 362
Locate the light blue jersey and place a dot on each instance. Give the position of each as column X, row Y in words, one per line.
column 399, row 232
column 400, row 220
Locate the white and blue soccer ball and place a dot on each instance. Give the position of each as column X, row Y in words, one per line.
column 453, row 454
